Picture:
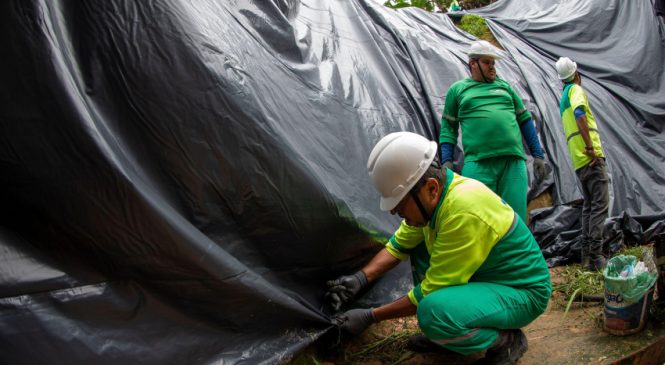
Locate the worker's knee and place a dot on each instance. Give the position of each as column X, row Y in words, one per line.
column 436, row 321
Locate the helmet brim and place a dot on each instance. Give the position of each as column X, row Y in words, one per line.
column 493, row 56
column 567, row 77
column 387, row 204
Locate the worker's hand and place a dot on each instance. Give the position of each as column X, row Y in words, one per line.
column 344, row 288
column 448, row 164
column 355, row 321
column 591, row 152
column 539, row 169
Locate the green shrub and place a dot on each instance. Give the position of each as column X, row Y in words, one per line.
column 475, row 25
column 423, row 4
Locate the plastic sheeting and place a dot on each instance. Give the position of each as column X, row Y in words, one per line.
column 619, row 47
column 620, row 51
column 179, row 179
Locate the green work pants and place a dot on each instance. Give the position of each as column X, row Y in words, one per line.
column 506, row 176
column 467, row 318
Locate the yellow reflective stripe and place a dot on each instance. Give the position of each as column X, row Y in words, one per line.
column 450, row 118
column 578, row 133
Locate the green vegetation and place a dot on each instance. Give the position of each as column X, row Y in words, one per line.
column 439, row 5
column 423, row 4
column 389, row 348
column 578, row 282
column 470, row 23
column 475, row 25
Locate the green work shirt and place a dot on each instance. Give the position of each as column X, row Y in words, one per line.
column 574, row 97
column 490, row 115
column 461, row 236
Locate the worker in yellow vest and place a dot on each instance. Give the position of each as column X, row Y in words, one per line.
column 586, row 153
column 479, row 274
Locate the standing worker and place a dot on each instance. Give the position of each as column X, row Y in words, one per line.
column 493, row 120
column 588, row 160
column 478, row 272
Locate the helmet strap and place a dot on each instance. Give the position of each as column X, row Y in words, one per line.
column 481, row 72
column 414, row 195
column 477, row 59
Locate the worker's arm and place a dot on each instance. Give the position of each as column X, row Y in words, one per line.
column 402, row 307
column 447, row 151
column 530, row 135
column 449, row 127
column 583, row 127
column 345, row 287
column 382, row 262
column 355, row 321
column 398, row 248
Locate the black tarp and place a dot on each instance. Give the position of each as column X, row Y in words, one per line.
column 619, row 47
column 178, row 179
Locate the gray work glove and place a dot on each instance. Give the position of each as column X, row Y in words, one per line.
column 355, row 321
column 448, row 164
column 539, row 169
column 344, row 288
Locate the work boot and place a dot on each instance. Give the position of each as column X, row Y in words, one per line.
column 420, row 343
column 507, row 349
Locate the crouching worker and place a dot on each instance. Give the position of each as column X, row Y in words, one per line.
column 479, row 273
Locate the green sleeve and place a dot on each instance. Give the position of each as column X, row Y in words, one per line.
column 404, row 240
column 449, row 120
column 521, row 113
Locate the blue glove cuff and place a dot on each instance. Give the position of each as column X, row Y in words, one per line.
column 528, row 129
column 447, row 150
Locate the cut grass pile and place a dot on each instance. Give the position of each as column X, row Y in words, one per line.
column 576, row 281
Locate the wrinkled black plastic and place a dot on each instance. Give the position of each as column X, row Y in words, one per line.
column 179, row 179
column 619, row 47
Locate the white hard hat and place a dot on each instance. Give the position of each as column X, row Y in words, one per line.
column 566, row 68
column 483, row 49
column 396, row 164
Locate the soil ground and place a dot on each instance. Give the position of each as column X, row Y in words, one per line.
column 554, row 338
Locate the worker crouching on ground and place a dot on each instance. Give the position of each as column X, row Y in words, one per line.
column 478, row 272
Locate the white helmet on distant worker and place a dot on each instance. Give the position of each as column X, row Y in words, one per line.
column 483, row 49
column 396, row 164
column 566, row 68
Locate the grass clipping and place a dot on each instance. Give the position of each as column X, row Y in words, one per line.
column 386, row 342
column 575, row 282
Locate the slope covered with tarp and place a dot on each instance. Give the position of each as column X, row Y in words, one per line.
column 619, row 47
column 179, row 179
